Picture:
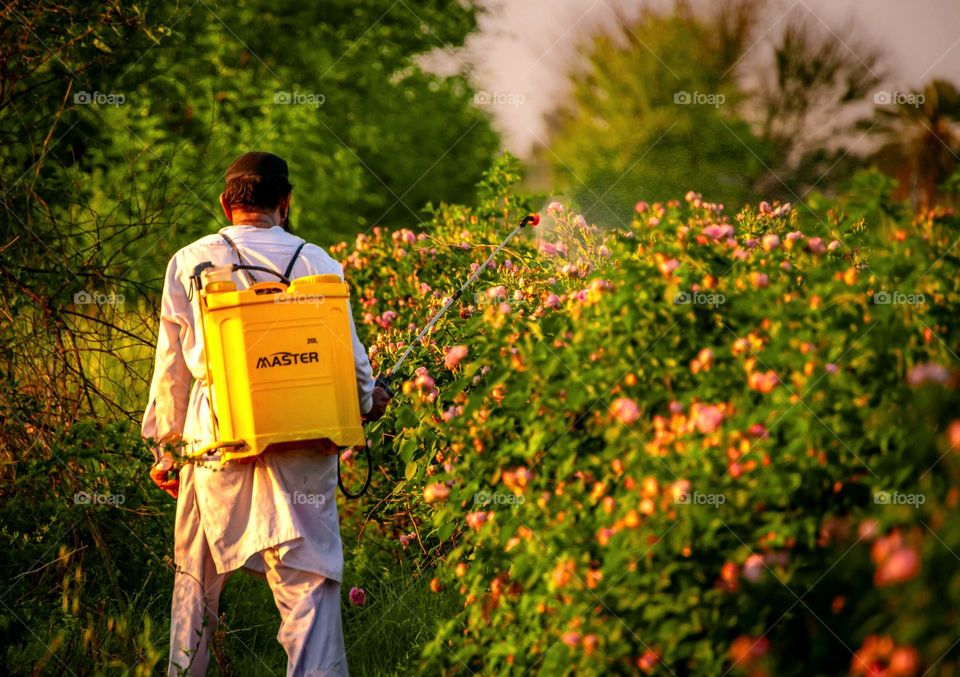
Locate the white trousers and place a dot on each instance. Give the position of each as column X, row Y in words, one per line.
column 309, row 605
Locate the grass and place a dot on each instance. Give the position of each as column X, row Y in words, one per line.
column 383, row 637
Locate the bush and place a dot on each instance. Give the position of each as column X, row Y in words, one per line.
column 84, row 543
column 693, row 445
column 698, row 444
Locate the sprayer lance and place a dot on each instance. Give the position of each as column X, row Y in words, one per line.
column 383, row 380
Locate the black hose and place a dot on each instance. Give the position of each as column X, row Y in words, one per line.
column 366, row 482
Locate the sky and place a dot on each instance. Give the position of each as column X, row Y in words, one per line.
column 524, row 47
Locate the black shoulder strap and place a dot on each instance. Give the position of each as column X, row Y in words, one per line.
column 240, row 260
column 293, row 260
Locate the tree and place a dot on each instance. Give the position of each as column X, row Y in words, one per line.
column 684, row 99
column 921, row 140
column 334, row 87
column 807, row 101
column 651, row 115
column 117, row 123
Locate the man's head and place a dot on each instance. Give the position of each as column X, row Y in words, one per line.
column 258, row 190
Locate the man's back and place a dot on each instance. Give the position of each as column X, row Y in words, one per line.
column 271, row 248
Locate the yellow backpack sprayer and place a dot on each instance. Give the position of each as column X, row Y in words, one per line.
column 279, row 359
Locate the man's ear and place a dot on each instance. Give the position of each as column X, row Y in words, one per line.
column 227, row 210
column 284, row 208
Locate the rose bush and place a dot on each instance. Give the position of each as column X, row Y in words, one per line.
column 690, row 444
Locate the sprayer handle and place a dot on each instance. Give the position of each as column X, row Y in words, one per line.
column 384, row 382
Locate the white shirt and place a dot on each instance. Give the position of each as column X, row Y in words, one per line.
column 283, row 499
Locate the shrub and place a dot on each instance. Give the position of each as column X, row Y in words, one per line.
column 692, row 444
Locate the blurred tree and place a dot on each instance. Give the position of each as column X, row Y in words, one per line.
column 921, row 141
column 651, row 115
column 809, row 103
column 684, row 99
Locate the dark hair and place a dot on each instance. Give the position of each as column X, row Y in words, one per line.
column 256, row 192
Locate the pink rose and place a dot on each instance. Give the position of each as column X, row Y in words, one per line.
column 499, row 292
column 927, row 373
column 706, row 417
column 763, row 382
column 902, row 565
column 625, row 410
column 436, row 492
column 358, row 597
column 753, row 568
column 815, row 246
column 548, row 249
column 455, row 354
column 475, row 520
column 668, row 266
column 718, row 231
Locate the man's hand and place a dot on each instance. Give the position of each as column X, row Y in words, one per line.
column 380, row 400
column 161, row 472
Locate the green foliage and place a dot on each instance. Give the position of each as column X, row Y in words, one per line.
column 118, row 127
column 80, row 583
column 335, row 88
column 653, row 114
column 614, row 478
column 610, row 480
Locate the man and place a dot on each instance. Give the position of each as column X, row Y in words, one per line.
column 239, row 515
